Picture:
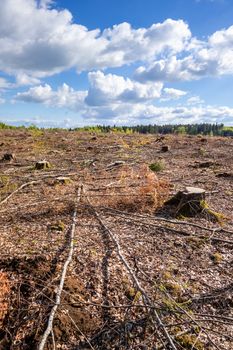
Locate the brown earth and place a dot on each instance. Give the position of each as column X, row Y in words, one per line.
column 183, row 264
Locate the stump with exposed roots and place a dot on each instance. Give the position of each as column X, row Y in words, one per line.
column 189, row 202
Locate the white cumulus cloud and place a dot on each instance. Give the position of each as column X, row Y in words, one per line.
column 64, row 96
column 106, row 89
column 41, row 41
column 202, row 59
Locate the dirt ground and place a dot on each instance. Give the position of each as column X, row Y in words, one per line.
column 140, row 276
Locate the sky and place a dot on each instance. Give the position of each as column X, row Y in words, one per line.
column 68, row 63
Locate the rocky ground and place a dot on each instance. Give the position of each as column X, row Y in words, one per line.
column 140, row 277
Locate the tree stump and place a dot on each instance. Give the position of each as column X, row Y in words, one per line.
column 165, row 148
column 189, row 202
column 63, row 180
column 8, row 157
column 43, row 164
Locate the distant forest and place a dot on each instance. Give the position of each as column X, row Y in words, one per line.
column 189, row 129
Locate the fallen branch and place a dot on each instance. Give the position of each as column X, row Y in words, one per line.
column 63, row 276
column 176, row 222
column 180, row 232
column 147, row 300
column 18, row 189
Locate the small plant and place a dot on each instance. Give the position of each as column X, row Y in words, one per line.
column 35, row 131
column 4, row 180
column 219, row 217
column 174, row 288
column 6, row 186
column 132, row 294
column 167, row 275
column 157, row 166
column 60, row 226
column 38, row 146
column 202, row 151
column 217, row 258
column 190, row 341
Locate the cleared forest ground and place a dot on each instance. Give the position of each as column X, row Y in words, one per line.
column 139, row 277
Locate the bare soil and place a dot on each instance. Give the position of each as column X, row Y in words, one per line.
column 182, row 264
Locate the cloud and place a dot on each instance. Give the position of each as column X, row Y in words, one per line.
column 64, row 96
column 130, row 45
column 113, row 109
column 150, row 114
column 4, row 84
column 104, row 90
column 42, row 41
column 110, row 88
column 202, row 59
column 128, row 114
column 186, row 69
column 46, row 3
column 24, row 79
column 195, row 100
column 172, row 94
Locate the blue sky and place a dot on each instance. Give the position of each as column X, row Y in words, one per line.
column 72, row 63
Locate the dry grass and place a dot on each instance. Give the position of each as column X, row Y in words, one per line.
column 135, row 189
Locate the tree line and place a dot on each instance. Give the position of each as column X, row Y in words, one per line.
column 189, row 129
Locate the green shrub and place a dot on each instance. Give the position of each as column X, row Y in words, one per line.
column 157, row 166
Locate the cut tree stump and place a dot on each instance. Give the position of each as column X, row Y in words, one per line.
column 165, row 148
column 63, row 180
column 8, row 157
column 189, row 202
column 43, row 164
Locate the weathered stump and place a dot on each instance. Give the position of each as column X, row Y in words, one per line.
column 63, row 180
column 189, row 202
column 43, row 164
